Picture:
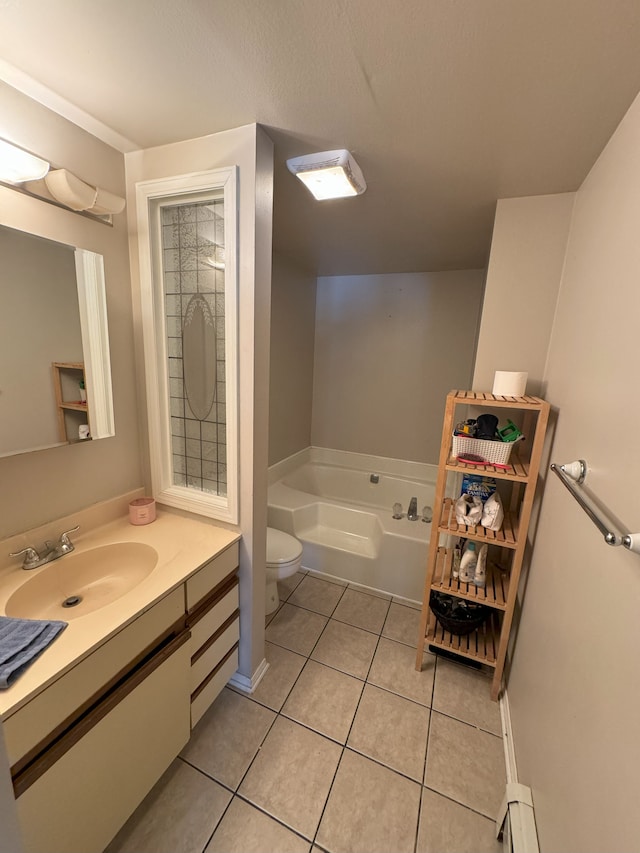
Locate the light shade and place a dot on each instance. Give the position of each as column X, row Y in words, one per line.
column 329, row 174
column 69, row 190
column 17, row 166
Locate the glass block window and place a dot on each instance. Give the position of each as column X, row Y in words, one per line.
column 192, row 250
column 188, row 248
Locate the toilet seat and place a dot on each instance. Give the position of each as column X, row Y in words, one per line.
column 282, row 549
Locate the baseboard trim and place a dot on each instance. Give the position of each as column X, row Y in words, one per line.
column 248, row 685
column 507, row 739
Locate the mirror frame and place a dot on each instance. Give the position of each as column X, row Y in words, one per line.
column 149, row 195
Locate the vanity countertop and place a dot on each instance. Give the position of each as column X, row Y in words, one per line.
column 183, row 545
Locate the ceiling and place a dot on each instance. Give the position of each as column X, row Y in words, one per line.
column 447, row 105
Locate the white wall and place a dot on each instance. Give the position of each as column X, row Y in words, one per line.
column 39, row 487
column 574, row 690
column 523, row 277
column 293, row 311
column 388, row 349
column 252, row 151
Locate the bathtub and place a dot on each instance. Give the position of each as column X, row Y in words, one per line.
column 326, row 498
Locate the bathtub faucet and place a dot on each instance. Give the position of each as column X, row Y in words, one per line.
column 412, row 512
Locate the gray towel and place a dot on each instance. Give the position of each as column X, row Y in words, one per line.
column 21, row 641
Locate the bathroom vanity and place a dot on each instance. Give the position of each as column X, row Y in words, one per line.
column 94, row 722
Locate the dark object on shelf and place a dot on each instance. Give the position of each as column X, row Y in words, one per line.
column 486, row 427
column 443, row 653
column 467, row 427
column 457, row 615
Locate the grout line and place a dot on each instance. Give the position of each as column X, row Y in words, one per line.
column 382, row 764
column 268, row 814
column 310, row 610
column 466, row 723
column 424, row 776
column 218, row 822
column 458, row 803
column 206, row 775
column 326, row 802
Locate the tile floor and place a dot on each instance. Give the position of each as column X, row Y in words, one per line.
column 343, row 747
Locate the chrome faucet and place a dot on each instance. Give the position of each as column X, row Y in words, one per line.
column 33, row 559
column 412, row 512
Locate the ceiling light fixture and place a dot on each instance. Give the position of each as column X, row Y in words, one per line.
column 17, row 165
column 329, row 174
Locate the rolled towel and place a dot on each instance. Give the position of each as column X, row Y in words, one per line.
column 21, row 641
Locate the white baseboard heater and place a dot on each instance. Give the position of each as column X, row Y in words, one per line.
column 516, row 823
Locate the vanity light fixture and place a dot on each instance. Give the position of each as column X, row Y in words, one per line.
column 329, row 174
column 74, row 193
column 32, row 175
column 18, row 165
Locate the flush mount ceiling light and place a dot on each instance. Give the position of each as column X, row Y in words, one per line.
column 329, row 174
column 17, row 165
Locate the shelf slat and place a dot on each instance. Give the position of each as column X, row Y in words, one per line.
column 506, row 537
column 518, row 469
column 493, row 594
column 481, row 645
column 74, row 407
column 485, row 398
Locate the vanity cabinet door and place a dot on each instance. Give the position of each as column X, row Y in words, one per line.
column 79, row 803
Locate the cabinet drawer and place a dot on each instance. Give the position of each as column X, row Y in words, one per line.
column 205, row 627
column 213, row 654
column 69, row 696
column 199, row 586
column 204, row 697
column 83, row 799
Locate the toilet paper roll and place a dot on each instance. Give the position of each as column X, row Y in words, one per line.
column 508, row 383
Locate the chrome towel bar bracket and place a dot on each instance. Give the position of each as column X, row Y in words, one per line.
column 572, row 476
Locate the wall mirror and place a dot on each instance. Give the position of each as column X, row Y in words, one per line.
column 55, row 372
column 188, row 282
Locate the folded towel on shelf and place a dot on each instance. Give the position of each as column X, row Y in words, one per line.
column 21, row 641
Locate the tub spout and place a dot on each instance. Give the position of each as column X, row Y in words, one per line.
column 412, row 512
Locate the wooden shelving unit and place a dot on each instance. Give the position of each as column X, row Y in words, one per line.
column 66, row 378
column 488, row 645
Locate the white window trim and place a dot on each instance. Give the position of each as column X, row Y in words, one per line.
column 154, row 340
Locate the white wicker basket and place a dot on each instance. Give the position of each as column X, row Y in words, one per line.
column 495, row 452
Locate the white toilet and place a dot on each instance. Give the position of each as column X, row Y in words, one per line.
column 284, row 555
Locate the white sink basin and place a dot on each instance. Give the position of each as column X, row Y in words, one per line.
column 78, row 584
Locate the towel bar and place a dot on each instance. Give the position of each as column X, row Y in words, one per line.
column 572, row 475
